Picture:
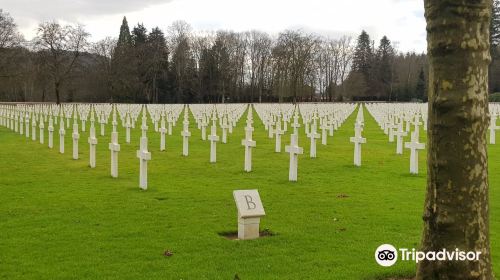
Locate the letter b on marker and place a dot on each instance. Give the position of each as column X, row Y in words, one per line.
column 250, row 204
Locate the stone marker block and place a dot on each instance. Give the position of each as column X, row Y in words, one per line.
column 250, row 210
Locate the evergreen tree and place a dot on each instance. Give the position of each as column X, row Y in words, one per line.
column 385, row 58
column 420, row 88
column 139, row 35
column 362, row 54
column 362, row 60
column 122, row 67
column 124, row 39
column 157, row 78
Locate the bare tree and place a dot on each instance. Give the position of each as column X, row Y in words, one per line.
column 104, row 51
column 9, row 36
column 60, row 46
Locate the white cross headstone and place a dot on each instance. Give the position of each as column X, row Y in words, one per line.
column 248, row 143
column 102, row 121
column 294, row 150
column 92, row 141
column 163, row 131
column 128, row 125
column 391, row 131
column 213, row 140
column 185, row 133
column 400, row 133
column 42, row 127
column 357, row 140
column 278, row 132
column 204, row 125
column 313, row 135
column 143, row 154
column 114, row 147
column 51, row 132
column 493, row 127
column 21, row 123
column 33, row 127
column 414, row 146
column 224, row 127
column 324, row 129
column 76, row 137
column 296, row 123
column 170, row 121
column 27, row 125
column 62, row 132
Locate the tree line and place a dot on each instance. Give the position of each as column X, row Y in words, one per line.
column 179, row 65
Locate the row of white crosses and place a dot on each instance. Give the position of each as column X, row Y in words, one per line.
column 392, row 118
column 224, row 115
column 396, row 120
column 280, row 118
column 24, row 119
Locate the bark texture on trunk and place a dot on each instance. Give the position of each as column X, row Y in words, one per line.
column 456, row 213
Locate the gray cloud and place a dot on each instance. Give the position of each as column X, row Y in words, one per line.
column 71, row 10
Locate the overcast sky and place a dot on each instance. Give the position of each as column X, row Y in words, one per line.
column 401, row 20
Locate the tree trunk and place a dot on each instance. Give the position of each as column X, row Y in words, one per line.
column 456, row 211
column 56, row 86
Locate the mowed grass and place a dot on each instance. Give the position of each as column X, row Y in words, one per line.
column 60, row 219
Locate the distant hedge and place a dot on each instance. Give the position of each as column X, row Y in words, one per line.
column 495, row 97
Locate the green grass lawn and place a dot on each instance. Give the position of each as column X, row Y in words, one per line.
column 60, row 219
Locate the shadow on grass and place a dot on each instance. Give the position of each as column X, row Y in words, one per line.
column 388, row 276
column 233, row 235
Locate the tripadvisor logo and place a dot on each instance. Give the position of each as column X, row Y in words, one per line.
column 387, row 255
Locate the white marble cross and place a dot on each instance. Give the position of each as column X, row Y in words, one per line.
column 357, row 140
column 42, row 127
column 493, row 127
column 270, row 130
column 62, row 132
column 331, row 125
column 278, row 132
column 114, row 147
column 204, row 125
column 33, row 126
column 170, row 122
column 400, row 133
column 324, row 129
column 224, row 127
column 128, row 125
column 27, row 124
column 296, row 123
column 414, row 146
column 21, row 123
column 143, row 154
column 213, row 140
column 294, row 150
column 248, row 142
column 75, row 136
column 392, row 126
column 163, row 131
column 51, row 132
column 313, row 135
column 102, row 122
column 92, row 140
column 417, row 124
column 185, row 133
